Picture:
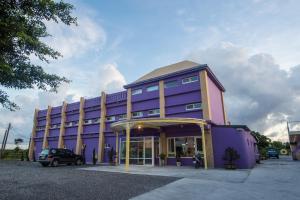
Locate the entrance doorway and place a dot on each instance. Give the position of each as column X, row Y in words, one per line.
column 141, row 150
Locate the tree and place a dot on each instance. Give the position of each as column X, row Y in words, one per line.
column 22, row 26
column 18, row 141
column 262, row 140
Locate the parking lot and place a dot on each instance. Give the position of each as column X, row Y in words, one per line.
column 26, row 180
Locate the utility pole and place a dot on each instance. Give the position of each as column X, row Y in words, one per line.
column 5, row 140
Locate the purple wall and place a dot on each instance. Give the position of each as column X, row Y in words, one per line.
column 216, row 103
column 91, row 144
column 241, row 141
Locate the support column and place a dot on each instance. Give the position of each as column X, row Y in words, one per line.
column 46, row 133
column 127, row 146
column 117, row 148
column 33, row 134
column 204, row 145
column 205, row 95
column 162, row 109
column 80, row 127
column 223, row 108
column 62, row 126
column 163, row 145
column 101, row 143
column 129, row 107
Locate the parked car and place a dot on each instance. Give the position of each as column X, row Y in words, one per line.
column 272, row 153
column 55, row 156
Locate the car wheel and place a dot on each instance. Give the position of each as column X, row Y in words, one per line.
column 54, row 163
column 45, row 164
column 78, row 162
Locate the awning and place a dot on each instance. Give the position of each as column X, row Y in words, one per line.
column 156, row 123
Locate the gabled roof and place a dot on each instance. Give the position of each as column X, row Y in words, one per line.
column 183, row 65
column 172, row 70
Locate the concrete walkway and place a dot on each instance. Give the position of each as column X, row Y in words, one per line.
column 274, row 180
column 237, row 176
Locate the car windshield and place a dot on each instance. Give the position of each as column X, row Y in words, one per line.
column 45, row 152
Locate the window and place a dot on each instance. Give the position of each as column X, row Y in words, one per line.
column 68, row 124
column 193, row 106
column 76, row 123
column 190, row 79
column 96, row 121
column 152, row 88
column 88, row 121
column 153, row 112
column 184, row 146
column 137, row 91
column 137, row 114
column 123, row 117
column 171, row 84
column 110, row 118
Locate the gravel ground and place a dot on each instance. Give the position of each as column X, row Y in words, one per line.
column 26, row 180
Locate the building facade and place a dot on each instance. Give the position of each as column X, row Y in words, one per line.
column 176, row 110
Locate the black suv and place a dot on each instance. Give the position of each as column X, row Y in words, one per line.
column 55, row 156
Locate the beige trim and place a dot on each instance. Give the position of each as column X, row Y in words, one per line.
column 46, row 133
column 154, row 122
column 129, row 106
column 117, row 149
column 204, row 145
column 209, row 149
column 205, row 95
column 80, row 127
column 163, row 145
column 162, row 99
column 223, row 107
column 33, row 134
column 127, row 146
column 62, row 126
column 102, row 128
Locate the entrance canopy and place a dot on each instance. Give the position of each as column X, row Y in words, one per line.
column 156, row 123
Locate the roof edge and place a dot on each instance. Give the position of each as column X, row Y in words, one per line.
column 196, row 68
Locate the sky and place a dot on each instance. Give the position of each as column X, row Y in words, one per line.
column 253, row 47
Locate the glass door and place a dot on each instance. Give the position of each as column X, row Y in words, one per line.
column 141, row 151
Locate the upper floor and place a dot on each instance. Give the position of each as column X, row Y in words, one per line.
column 185, row 89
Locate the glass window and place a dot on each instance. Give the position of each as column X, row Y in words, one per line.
column 137, row 114
column 171, row 147
column 137, row 91
column 199, row 144
column 153, row 112
column 183, row 146
column 190, row 79
column 110, row 118
column 193, row 106
column 123, row 116
column 88, row 121
column 152, row 88
column 97, row 120
column 171, row 84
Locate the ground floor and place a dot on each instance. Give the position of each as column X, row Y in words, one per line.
column 178, row 140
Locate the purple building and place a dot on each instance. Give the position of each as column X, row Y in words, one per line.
column 176, row 110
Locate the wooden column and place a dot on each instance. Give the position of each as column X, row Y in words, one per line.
column 62, row 126
column 80, row 127
column 46, row 133
column 101, row 143
column 163, row 144
column 204, row 145
column 127, row 156
column 117, row 148
column 205, row 95
column 33, row 134
column 162, row 99
column 129, row 108
column 223, row 107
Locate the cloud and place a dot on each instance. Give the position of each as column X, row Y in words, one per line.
column 259, row 92
column 72, row 41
